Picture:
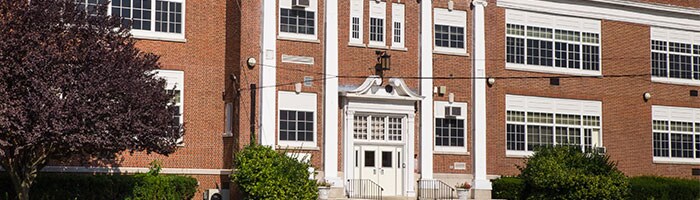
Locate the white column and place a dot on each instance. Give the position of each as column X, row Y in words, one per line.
column 479, row 99
column 268, row 73
column 349, row 153
column 408, row 154
column 330, row 105
column 426, row 89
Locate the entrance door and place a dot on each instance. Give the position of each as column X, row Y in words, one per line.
column 382, row 164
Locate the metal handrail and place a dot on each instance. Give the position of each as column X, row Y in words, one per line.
column 364, row 189
column 435, row 189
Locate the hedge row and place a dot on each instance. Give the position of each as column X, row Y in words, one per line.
column 643, row 187
column 50, row 186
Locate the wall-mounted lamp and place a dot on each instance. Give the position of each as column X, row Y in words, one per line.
column 491, row 81
column 251, row 62
column 647, row 96
column 450, row 5
column 297, row 88
column 451, row 97
column 383, row 62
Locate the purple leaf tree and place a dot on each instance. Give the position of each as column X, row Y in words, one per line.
column 74, row 87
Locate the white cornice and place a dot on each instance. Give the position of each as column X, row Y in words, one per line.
column 614, row 10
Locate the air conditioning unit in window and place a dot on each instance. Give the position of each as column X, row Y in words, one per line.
column 453, row 111
column 300, row 3
column 216, row 194
column 601, row 150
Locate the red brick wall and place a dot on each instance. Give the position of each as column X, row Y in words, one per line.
column 626, row 116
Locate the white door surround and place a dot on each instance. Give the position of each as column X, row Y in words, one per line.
column 374, row 100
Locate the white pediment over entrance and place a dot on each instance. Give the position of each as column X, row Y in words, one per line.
column 395, row 89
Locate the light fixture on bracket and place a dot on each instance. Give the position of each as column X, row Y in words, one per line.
column 647, row 96
column 383, row 63
column 491, row 81
column 251, row 62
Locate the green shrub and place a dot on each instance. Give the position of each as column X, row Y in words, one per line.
column 662, row 188
column 509, row 188
column 567, row 173
column 50, row 186
column 263, row 173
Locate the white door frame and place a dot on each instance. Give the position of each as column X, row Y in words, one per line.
column 405, row 108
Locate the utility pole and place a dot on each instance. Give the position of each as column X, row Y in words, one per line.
column 252, row 113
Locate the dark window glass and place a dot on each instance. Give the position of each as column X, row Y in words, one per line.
column 515, row 137
column 515, row 50
column 296, row 126
column 168, row 17
column 659, row 64
column 376, row 29
column 680, row 66
column 449, row 132
column 449, row 36
column 369, row 159
column 591, row 57
column 297, row 21
column 356, row 27
column 386, row 159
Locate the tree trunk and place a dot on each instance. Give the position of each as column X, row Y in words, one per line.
column 22, row 182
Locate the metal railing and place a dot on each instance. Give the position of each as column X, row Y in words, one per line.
column 435, row 189
column 364, row 189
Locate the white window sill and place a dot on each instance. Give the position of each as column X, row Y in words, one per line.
column 679, row 161
column 399, row 48
column 159, row 38
column 676, row 81
column 518, row 154
column 555, row 70
column 283, row 146
column 376, row 46
column 357, row 45
column 447, row 152
column 299, row 39
column 451, row 53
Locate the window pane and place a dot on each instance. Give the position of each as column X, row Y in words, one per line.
column 297, row 21
column 296, row 126
column 369, row 159
column 515, row 137
column 449, row 132
column 386, row 159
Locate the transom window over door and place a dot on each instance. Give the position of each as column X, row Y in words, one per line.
column 378, row 128
column 675, row 56
column 676, row 134
column 550, row 43
column 159, row 19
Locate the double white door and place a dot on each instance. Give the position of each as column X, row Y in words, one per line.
column 384, row 165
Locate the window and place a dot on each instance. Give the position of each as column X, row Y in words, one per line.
column 356, row 25
column 90, row 5
column 449, row 36
column 450, row 127
column 676, row 134
column 450, row 31
column 376, row 29
column 296, row 125
column 297, row 22
column 675, row 56
column 398, row 26
column 377, row 23
column 377, row 127
column 147, row 18
column 548, row 43
column 174, row 85
column 530, row 128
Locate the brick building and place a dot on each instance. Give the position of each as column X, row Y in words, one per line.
column 507, row 76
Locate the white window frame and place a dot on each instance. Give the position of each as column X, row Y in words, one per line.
column 152, row 34
column 678, row 36
column 356, row 11
column 552, row 106
column 440, row 113
column 680, row 114
column 554, row 22
column 454, row 18
column 175, row 79
column 377, row 9
column 398, row 16
column 287, row 4
column 293, row 101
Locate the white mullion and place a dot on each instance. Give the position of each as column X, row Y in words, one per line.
column 153, row 15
